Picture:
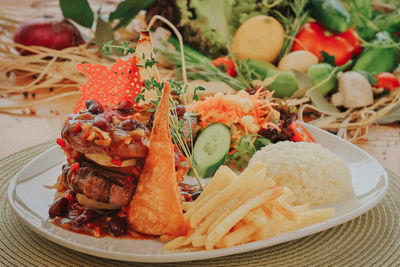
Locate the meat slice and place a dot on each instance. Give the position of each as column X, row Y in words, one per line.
column 99, row 184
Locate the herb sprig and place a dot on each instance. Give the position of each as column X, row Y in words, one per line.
column 293, row 16
column 181, row 136
column 108, row 48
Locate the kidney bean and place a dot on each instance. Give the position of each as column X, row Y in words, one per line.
column 180, row 110
column 59, row 207
column 131, row 124
column 117, row 226
column 94, row 107
column 100, row 122
column 125, row 107
column 85, row 216
column 195, row 195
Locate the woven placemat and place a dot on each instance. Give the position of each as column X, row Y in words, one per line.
column 372, row 239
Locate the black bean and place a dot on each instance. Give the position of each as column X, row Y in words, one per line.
column 117, row 226
column 131, row 124
column 100, row 122
column 195, row 195
column 125, row 107
column 85, row 217
column 59, row 207
column 94, row 107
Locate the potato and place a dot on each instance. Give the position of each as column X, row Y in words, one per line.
column 260, row 37
column 299, row 60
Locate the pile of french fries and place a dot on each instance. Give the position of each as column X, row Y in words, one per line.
column 233, row 210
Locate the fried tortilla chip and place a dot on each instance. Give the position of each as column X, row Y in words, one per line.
column 155, row 208
column 144, row 51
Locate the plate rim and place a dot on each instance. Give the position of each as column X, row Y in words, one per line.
column 204, row 254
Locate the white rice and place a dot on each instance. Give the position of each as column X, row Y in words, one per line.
column 314, row 174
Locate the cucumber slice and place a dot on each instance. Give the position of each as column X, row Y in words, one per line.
column 211, row 149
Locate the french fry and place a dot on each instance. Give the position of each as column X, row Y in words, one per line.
column 199, row 240
column 316, row 216
column 258, row 186
column 238, row 236
column 286, row 210
column 267, row 211
column 234, row 210
column 286, row 193
column 256, row 216
column 178, row 242
column 236, row 185
column 222, row 178
column 239, row 213
column 302, row 208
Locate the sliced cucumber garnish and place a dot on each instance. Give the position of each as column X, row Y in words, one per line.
column 211, row 149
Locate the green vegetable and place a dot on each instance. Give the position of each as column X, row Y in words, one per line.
column 127, row 10
column 285, row 83
column 393, row 115
column 368, row 22
column 319, row 73
column 259, row 68
column 199, row 66
column 104, row 33
column 205, row 25
column 245, row 149
column 261, row 142
column 82, row 15
column 331, row 14
column 211, row 149
column 324, row 76
column 379, row 58
column 292, row 15
column 320, row 102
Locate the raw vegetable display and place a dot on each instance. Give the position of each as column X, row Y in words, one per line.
column 308, row 52
column 300, row 50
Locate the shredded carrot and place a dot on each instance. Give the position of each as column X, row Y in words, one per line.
column 221, row 109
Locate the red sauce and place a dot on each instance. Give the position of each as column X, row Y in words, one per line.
column 98, row 225
column 104, row 223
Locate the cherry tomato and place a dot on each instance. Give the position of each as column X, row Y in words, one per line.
column 387, row 80
column 300, row 134
column 226, row 64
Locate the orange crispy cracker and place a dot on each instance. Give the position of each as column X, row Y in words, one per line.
column 156, row 206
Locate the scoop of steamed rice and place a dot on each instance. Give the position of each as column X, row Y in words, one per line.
column 313, row 173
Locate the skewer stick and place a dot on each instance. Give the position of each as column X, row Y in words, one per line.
column 180, row 39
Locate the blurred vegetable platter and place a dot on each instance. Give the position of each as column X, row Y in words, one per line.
column 336, row 62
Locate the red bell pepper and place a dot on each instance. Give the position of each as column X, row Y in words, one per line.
column 315, row 39
column 300, row 133
column 61, row 142
column 387, row 81
column 226, row 64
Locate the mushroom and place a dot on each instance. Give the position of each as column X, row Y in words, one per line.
column 354, row 91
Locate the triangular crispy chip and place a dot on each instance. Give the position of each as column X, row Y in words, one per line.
column 144, row 51
column 156, row 206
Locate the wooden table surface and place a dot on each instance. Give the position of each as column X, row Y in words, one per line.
column 19, row 131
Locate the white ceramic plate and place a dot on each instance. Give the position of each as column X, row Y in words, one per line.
column 30, row 200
